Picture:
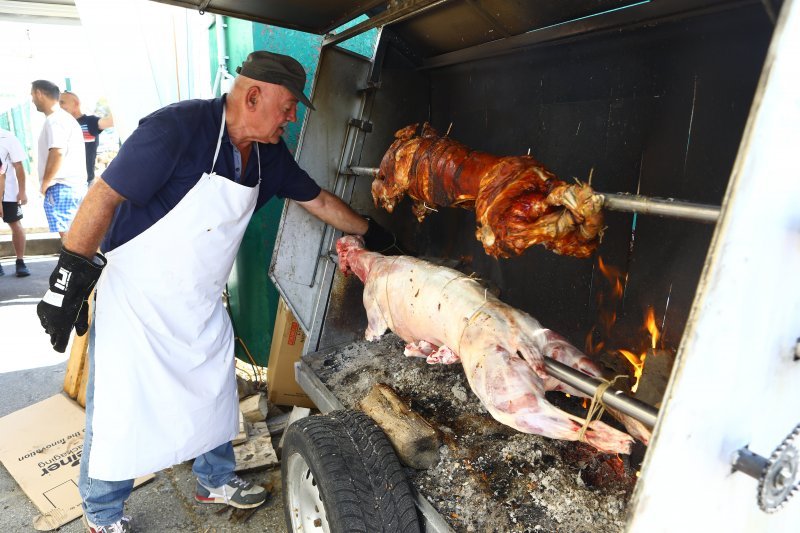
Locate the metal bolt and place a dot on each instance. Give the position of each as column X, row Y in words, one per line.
column 783, row 477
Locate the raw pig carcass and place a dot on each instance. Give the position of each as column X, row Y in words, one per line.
column 446, row 317
column 517, row 201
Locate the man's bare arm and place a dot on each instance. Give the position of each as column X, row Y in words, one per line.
column 22, row 197
column 106, row 122
column 332, row 210
column 55, row 157
column 93, row 219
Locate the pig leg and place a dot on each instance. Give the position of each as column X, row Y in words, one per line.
column 419, row 349
column 432, row 353
column 514, row 395
column 443, row 355
column 496, row 326
column 562, row 351
column 632, row 426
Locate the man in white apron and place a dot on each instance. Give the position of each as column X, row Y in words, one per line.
column 171, row 210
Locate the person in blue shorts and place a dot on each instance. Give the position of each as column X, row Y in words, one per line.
column 168, row 214
column 62, row 158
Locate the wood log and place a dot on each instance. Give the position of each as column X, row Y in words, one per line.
column 81, row 399
column 655, row 376
column 77, row 359
column 77, row 372
column 245, row 387
column 259, row 428
column 277, row 424
column 415, row 441
column 256, row 453
column 254, row 408
column 244, row 431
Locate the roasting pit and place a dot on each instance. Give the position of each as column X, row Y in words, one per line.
column 490, row 477
column 649, row 101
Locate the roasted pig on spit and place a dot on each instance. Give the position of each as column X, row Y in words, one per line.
column 447, row 317
column 517, row 201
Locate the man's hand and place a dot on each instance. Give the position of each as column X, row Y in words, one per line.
column 22, row 198
column 43, row 188
column 65, row 305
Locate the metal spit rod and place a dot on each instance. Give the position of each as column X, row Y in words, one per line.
column 616, row 399
column 657, row 206
column 629, row 203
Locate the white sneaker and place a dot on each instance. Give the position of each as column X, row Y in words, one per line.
column 237, row 492
column 123, row 525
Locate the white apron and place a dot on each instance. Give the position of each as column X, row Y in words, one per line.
column 164, row 382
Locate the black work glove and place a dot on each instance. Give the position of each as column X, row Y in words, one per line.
column 66, row 304
column 379, row 239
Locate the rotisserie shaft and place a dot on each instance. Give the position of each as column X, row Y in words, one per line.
column 517, row 201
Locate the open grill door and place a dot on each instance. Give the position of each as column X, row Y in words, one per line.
column 736, row 381
column 302, row 267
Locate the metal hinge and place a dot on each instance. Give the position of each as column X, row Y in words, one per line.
column 360, row 123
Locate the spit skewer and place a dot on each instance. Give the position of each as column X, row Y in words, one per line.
column 630, row 203
column 616, row 399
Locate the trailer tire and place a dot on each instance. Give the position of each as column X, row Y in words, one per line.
column 340, row 469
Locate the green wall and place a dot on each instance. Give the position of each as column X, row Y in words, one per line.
column 17, row 120
column 253, row 298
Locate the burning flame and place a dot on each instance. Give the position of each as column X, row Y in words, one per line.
column 607, row 306
column 650, row 324
column 638, row 365
column 608, row 302
column 613, row 275
column 638, row 360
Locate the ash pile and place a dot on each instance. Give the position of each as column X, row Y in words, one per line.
column 489, row 477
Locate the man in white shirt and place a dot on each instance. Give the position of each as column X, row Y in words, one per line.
column 14, row 197
column 62, row 158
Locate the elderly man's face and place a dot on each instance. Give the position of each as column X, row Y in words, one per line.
column 277, row 108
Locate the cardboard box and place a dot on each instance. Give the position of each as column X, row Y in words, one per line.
column 288, row 340
column 41, row 448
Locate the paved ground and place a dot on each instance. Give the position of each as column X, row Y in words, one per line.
column 30, row 371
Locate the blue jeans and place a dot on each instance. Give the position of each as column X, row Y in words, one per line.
column 103, row 501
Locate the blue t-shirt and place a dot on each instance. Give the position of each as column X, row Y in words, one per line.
column 169, row 151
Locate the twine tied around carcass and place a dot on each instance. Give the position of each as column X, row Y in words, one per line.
column 597, row 407
column 471, row 317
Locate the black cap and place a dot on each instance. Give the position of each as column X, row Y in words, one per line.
column 278, row 69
